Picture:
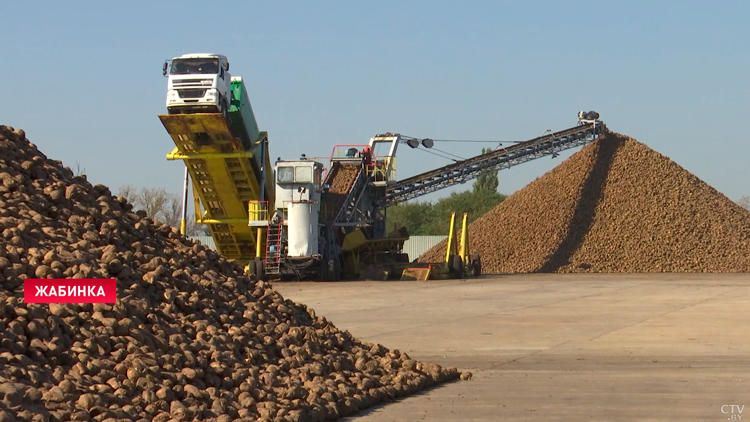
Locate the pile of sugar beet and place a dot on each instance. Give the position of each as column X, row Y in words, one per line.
column 190, row 337
column 615, row 206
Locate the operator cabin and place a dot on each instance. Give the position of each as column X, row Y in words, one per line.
column 298, row 191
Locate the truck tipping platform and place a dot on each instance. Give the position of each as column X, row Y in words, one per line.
column 224, row 177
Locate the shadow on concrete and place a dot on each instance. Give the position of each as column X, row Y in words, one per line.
column 583, row 216
column 389, row 401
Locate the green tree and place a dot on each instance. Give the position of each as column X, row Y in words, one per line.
column 162, row 206
column 475, row 203
column 426, row 218
column 415, row 216
column 487, row 180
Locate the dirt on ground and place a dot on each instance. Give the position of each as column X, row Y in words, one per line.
column 615, row 206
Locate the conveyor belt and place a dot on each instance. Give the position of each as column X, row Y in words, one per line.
column 468, row 169
column 341, row 179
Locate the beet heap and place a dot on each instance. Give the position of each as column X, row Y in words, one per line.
column 614, row 206
column 190, row 338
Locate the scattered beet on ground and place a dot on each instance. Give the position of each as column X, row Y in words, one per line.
column 190, row 338
column 614, row 206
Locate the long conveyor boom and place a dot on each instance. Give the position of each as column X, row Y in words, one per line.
column 471, row 168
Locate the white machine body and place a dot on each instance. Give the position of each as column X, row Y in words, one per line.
column 298, row 190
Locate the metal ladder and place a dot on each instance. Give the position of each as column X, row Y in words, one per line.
column 274, row 252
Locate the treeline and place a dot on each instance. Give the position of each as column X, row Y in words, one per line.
column 162, row 206
column 427, row 218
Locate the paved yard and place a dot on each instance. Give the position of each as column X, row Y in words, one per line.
column 553, row 347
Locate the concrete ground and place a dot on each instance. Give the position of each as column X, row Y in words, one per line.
column 548, row 347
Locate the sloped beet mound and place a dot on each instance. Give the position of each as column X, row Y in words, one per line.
column 190, row 338
column 614, row 206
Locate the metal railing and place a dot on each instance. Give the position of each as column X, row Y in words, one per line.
column 383, row 168
column 344, row 151
column 258, row 211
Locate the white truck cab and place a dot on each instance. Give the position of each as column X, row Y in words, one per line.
column 198, row 83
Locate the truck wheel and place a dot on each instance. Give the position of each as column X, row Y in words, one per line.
column 224, row 109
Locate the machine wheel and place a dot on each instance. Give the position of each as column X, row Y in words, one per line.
column 251, row 271
column 457, row 265
column 476, row 265
column 260, row 270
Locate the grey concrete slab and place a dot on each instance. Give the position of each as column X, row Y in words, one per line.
column 647, row 347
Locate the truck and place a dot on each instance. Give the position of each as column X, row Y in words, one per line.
column 213, row 127
column 198, row 83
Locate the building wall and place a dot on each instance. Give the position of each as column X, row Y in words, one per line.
column 207, row 241
column 415, row 246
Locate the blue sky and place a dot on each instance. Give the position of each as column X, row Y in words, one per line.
column 84, row 80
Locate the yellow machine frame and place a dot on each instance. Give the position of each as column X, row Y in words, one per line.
column 223, row 180
column 459, row 261
column 457, row 248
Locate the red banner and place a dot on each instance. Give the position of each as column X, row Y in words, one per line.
column 70, row 290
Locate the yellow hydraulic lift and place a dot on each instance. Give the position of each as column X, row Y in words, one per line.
column 224, row 181
column 459, row 261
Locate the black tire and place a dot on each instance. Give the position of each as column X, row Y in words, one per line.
column 224, row 109
column 476, row 268
column 251, row 270
column 475, row 265
column 457, row 265
column 260, row 269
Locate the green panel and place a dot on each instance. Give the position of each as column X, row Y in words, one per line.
column 241, row 116
column 243, row 124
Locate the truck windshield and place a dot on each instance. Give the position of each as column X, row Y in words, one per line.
column 195, row 66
